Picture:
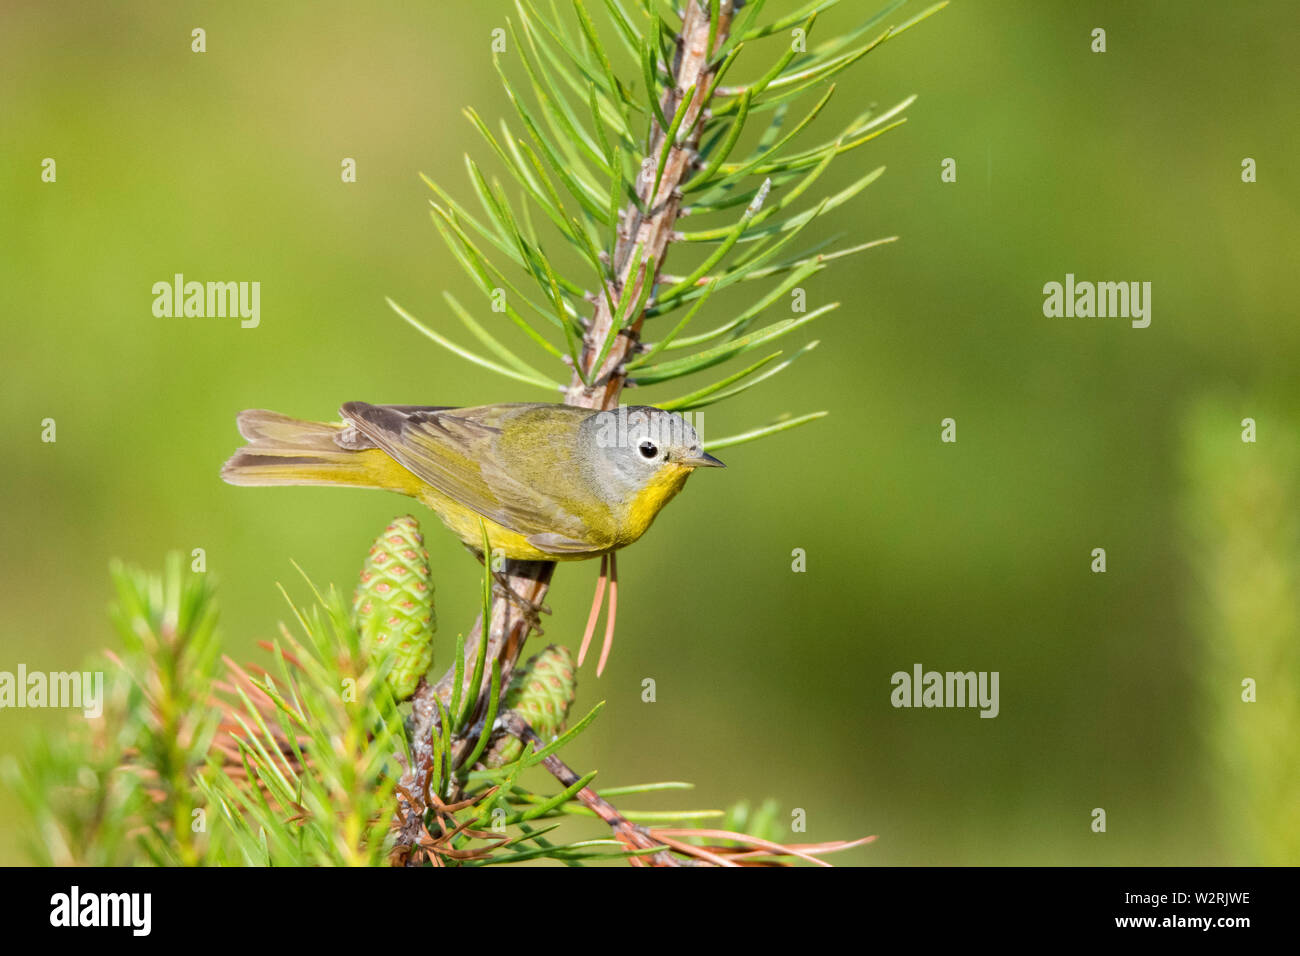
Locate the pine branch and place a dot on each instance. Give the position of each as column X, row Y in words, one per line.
column 634, row 837
column 693, row 124
column 647, row 224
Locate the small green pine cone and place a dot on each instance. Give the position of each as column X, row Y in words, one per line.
column 393, row 605
column 540, row 693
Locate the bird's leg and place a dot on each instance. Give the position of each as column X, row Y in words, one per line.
column 532, row 612
column 594, row 616
column 531, row 609
column 503, row 585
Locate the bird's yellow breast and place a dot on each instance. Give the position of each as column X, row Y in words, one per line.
column 644, row 505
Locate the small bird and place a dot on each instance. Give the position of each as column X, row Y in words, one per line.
column 548, row 482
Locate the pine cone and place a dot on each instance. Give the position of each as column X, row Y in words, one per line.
column 393, row 605
column 540, row 693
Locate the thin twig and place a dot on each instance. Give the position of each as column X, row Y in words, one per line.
column 628, row 833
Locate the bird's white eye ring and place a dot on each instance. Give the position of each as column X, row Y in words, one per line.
column 647, row 449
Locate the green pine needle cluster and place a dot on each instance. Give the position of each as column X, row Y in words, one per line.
column 198, row 760
column 579, row 168
column 120, row 789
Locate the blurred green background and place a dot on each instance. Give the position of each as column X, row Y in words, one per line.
column 1117, row 691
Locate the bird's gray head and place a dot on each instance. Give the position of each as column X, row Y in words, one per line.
column 634, row 442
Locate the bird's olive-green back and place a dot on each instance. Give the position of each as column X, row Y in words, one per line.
column 523, row 465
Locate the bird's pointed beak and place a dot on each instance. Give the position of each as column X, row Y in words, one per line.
column 703, row 460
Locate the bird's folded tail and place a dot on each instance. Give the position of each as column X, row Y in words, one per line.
column 287, row 451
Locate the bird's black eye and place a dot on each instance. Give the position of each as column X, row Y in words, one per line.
column 647, row 450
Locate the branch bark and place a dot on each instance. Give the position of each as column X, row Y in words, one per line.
column 652, row 229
